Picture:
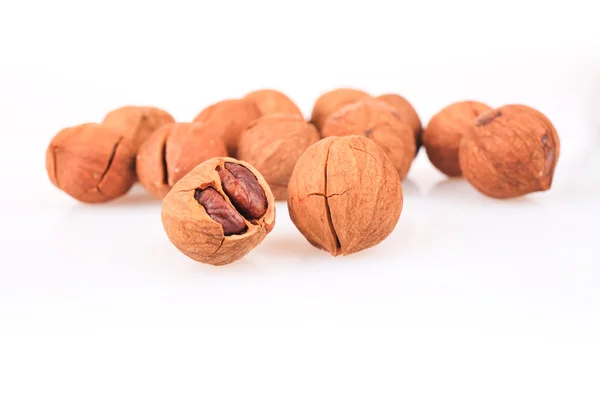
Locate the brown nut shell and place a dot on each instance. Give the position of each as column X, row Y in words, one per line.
column 344, row 195
column 92, row 163
column 271, row 101
column 332, row 101
column 445, row 131
column 407, row 113
column 273, row 144
column 191, row 212
column 379, row 122
column 229, row 118
column 174, row 150
column 510, row 151
column 137, row 123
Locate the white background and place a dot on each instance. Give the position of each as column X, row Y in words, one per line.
column 468, row 298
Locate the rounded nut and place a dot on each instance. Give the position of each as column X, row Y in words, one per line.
column 344, row 195
column 273, row 102
column 219, row 211
column 273, row 144
column 445, row 131
column 332, row 101
column 92, row 163
column 229, row 118
column 137, row 123
column 407, row 113
column 172, row 151
column 509, row 152
column 379, row 122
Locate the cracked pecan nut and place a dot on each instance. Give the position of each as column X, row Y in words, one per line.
column 380, row 122
column 273, row 144
column 228, row 118
column 92, row 163
column 172, row 151
column 344, row 195
column 219, row 211
column 445, row 131
column 407, row 113
column 332, row 101
column 271, row 101
column 509, row 152
column 137, row 123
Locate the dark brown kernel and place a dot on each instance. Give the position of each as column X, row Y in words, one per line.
column 220, row 210
column 243, row 190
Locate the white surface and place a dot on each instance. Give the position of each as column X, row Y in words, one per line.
column 468, row 298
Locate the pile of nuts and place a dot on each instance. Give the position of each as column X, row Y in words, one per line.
column 341, row 172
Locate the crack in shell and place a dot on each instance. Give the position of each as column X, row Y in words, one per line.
column 220, row 245
column 164, row 164
column 108, row 165
column 338, row 245
column 364, row 151
column 327, row 196
column 487, row 117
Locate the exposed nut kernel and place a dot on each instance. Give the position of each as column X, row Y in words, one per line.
column 218, row 221
column 445, row 131
column 220, row 210
column 509, row 152
column 242, row 188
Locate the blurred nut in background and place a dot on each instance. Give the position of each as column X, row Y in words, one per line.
column 345, row 195
column 229, row 118
column 510, row 151
column 407, row 113
column 137, row 123
column 273, row 102
column 273, row 144
column 219, row 211
column 332, row 101
column 174, row 150
column 380, row 122
column 92, row 163
column 445, row 131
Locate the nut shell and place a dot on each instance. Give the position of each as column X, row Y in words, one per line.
column 195, row 233
column 445, row 131
column 137, row 123
column 92, row 163
column 510, row 151
column 229, row 118
column 271, row 101
column 379, row 122
column 344, row 195
column 407, row 113
column 174, row 150
column 273, row 144
column 332, row 101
